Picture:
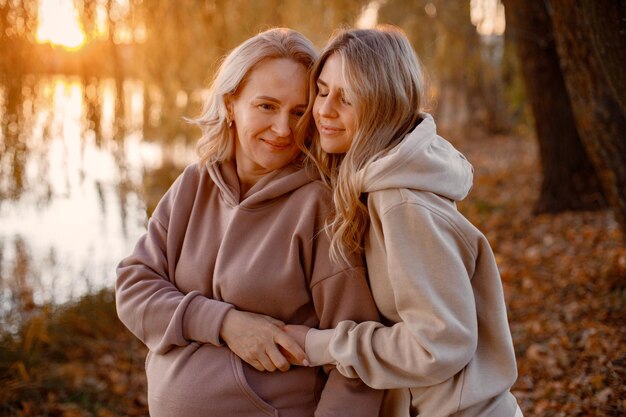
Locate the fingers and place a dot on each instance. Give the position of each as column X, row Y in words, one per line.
column 290, row 359
column 270, row 356
column 261, row 361
column 255, row 364
column 266, row 363
column 269, row 361
column 260, row 341
column 278, row 360
column 290, row 347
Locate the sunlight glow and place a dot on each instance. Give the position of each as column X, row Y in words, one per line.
column 488, row 16
column 59, row 24
column 369, row 15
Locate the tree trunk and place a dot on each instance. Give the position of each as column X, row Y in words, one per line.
column 600, row 118
column 607, row 33
column 569, row 177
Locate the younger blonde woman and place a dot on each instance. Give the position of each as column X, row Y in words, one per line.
column 444, row 347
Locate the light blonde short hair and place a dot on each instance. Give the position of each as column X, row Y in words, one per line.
column 217, row 143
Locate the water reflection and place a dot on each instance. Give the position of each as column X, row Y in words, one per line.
column 81, row 164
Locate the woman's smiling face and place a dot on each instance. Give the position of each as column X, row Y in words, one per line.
column 265, row 112
column 334, row 116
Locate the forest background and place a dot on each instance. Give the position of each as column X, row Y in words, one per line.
column 92, row 99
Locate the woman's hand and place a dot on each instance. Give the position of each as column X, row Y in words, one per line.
column 258, row 340
column 298, row 333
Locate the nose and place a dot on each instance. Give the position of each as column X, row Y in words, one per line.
column 326, row 107
column 281, row 125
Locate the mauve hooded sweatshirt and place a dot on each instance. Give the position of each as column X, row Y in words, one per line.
column 208, row 250
column 436, row 284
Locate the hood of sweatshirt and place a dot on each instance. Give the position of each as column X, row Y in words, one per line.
column 272, row 186
column 422, row 161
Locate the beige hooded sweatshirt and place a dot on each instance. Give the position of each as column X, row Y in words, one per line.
column 208, row 250
column 436, row 284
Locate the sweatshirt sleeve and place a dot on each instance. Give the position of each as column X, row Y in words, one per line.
column 428, row 262
column 345, row 295
column 148, row 303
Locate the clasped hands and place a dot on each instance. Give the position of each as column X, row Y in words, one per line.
column 263, row 342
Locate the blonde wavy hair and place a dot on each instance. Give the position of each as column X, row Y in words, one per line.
column 385, row 84
column 217, row 141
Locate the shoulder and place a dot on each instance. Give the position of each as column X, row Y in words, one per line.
column 316, row 185
column 192, row 173
column 422, row 210
column 181, row 193
column 385, row 201
column 186, row 183
column 315, row 191
column 193, row 177
column 395, row 200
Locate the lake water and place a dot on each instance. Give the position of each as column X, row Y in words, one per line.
column 77, row 179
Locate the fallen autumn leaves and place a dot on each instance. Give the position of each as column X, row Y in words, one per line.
column 565, row 284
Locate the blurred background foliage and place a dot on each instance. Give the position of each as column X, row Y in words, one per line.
column 93, row 96
column 92, row 99
column 174, row 47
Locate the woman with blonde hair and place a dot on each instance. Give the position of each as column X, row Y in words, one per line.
column 444, row 347
column 232, row 229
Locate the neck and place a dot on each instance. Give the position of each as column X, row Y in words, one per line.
column 247, row 179
column 248, row 175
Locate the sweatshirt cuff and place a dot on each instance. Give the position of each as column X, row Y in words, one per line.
column 316, row 347
column 203, row 320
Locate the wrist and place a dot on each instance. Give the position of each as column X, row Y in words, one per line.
column 316, row 347
column 228, row 321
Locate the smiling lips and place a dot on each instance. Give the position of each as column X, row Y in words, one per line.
column 329, row 130
column 277, row 146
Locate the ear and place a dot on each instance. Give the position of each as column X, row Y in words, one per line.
column 228, row 101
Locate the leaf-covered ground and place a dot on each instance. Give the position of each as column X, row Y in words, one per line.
column 565, row 285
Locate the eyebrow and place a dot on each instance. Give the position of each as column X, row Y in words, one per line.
column 320, row 81
column 268, row 98
column 323, row 83
column 275, row 100
column 342, row 92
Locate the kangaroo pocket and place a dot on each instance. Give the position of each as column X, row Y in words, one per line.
column 293, row 393
column 206, row 380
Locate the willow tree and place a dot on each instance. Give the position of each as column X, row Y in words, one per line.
column 18, row 25
column 185, row 39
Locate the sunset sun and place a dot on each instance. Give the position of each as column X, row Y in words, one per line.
column 59, row 24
